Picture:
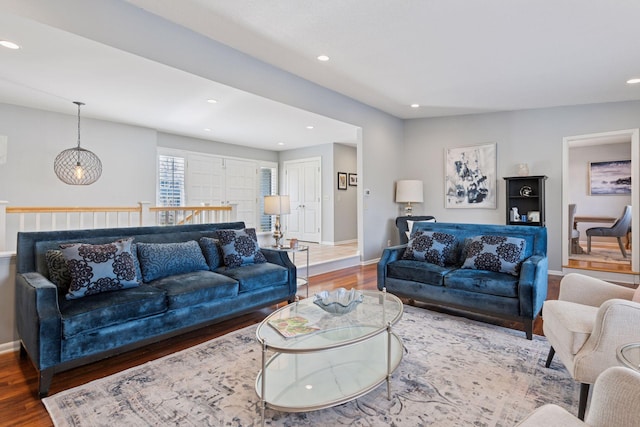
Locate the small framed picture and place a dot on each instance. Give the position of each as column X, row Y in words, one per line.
column 353, row 179
column 533, row 216
column 342, row 180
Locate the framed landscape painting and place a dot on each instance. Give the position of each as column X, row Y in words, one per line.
column 470, row 177
column 612, row 177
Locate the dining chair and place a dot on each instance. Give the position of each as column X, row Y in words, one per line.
column 619, row 229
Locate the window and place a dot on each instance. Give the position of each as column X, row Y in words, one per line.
column 170, row 185
column 267, row 185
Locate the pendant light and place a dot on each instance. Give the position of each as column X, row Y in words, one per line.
column 77, row 166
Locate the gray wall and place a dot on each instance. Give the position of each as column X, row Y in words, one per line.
column 530, row 136
column 35, row 138
column 346, row 201
column 167, row 140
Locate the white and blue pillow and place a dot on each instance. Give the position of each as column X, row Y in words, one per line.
column 494, row 253
column 432, row 246
column 99, row 268
column 240, row 247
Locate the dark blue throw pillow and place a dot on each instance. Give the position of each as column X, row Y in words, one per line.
column 494, row 253
column 240, row 247
column 158, row 260
column 432, row 246
column 211, row 250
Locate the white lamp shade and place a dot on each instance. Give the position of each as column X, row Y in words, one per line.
column 277, row 205
column 409, row 191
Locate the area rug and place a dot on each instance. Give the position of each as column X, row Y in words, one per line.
column 455, row 372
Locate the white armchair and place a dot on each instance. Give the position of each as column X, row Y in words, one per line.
column 614, row 403
column 586, row 325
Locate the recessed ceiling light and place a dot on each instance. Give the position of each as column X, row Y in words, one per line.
column 207, row 130
column 415, row 105
column 633, row 81
column 323, row 58
column 280, row 143
column 9, row 45
column 309, row 127
column 212, row 101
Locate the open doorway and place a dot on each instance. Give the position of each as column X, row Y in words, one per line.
column 582, row 154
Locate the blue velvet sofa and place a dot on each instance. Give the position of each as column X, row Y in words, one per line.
column 460, row 281
column 58, row 333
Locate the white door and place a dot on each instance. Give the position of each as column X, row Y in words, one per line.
column 219, row 181
column 204, row 180
column 303, row 187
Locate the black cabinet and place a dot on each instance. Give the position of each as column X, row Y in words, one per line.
column 526, row 195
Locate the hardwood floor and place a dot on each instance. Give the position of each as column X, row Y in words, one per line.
column 19, row 405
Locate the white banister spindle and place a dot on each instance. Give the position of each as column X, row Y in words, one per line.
column 146, row 218
column 37, row 222
column 53, row 221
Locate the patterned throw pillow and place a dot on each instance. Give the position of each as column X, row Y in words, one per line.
column 59, row 273
column 240, row 247
column 494, row 253
column 211, row 250
column 432, row 246
column 99, row 268
column 158, row 260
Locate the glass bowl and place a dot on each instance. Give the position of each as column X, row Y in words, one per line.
column 338, row 301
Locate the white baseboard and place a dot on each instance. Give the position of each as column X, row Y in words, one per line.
column 9, row 347
column 370, row 261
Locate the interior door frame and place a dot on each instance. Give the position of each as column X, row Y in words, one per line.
column 601, row 139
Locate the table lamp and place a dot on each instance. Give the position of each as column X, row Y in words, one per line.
column 409, row 191
column 277, row 205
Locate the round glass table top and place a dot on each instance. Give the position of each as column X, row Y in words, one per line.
column 310, row 328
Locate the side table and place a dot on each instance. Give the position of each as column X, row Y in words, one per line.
column 304, row 280
column 629, row 355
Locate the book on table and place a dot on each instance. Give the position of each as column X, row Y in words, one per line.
column 290, row 327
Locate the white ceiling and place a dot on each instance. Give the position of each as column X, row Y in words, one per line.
column 450, row 56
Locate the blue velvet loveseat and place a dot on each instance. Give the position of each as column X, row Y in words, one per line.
column 167, row 280
column 494, row 270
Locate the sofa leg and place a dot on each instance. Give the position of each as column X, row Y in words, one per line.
column 552, row 353
column 584, row 395
column 528, row 329
column 44, row 382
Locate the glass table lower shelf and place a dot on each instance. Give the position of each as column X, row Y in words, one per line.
column 311, row 381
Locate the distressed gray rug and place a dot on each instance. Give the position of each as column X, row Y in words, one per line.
column 455, row 372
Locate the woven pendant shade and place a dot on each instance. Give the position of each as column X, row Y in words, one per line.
column 77, row 166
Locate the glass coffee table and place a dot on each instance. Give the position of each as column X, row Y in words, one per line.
column 330, row 359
